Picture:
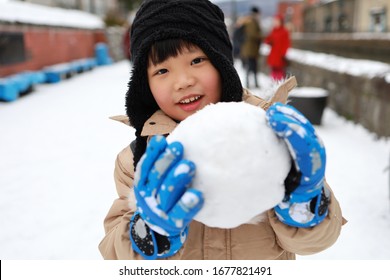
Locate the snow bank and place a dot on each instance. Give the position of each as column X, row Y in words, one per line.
column 308, row 92
column 19, row 12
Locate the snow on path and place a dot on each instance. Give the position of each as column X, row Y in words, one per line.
column 57, row 153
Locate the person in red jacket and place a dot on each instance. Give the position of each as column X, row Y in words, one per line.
column 279, row 40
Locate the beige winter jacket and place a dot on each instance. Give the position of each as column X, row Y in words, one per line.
column 269, row 239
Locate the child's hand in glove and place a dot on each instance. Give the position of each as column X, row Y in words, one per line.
column 306, row 201
column 165, row 203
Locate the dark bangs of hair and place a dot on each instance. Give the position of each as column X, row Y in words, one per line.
column 162, row 50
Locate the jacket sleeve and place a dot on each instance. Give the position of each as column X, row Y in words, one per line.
column 269, row 39
column 306, row 241
column 116, row 242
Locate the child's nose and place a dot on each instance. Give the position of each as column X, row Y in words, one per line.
column 184, row 80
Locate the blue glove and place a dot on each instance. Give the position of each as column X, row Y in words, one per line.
column 165, row 203
column 306, row 200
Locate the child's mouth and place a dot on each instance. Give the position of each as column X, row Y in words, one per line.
column 190, row 100
column 190, row 104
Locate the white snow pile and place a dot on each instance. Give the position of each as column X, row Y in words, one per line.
column 240, row 176
column 21, row 12
column 312, row 92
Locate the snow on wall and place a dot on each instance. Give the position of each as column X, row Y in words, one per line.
column 354, row 67
column 18, row 12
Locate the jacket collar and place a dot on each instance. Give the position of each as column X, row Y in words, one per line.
column 158, row 123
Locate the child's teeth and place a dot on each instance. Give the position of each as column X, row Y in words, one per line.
column 189, row 100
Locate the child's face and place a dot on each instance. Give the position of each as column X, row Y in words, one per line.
column 184, row 84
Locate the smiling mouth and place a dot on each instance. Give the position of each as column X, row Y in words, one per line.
column 190, row 100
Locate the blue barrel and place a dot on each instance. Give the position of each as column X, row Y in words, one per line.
column 102, row 54
column 9, row 89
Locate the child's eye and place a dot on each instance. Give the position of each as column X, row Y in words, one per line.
column 161, row 72
column 198, row 60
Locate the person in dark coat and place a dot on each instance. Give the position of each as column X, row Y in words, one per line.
column 249, row 50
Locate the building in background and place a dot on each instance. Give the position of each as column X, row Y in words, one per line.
column 293, row 14
column 347, row 16
column 372, row 16
column 35, row 36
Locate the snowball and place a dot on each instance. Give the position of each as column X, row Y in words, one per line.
column 240, row 163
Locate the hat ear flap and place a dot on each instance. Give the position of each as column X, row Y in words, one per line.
column 140, row 103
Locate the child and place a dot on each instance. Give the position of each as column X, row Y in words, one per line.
column 182, row 61
column 279, row 40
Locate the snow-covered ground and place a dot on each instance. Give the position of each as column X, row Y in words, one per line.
column 57, row 153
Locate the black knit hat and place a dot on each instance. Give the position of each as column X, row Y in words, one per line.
column 197, row 21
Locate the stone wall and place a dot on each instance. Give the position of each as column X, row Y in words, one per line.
column 371, row 46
